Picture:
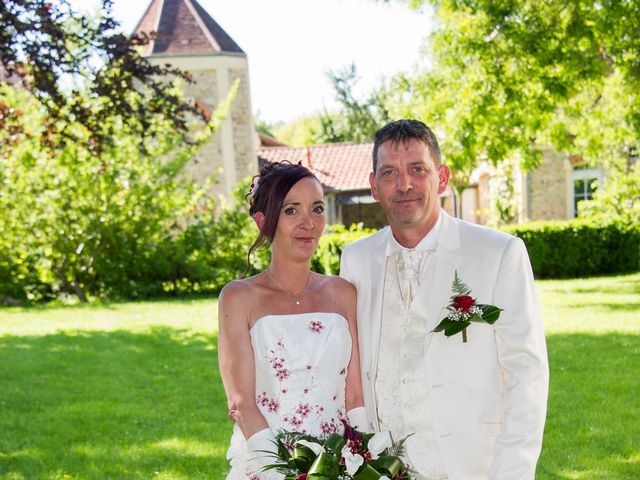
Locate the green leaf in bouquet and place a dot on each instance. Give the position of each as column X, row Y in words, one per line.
column 367, row 472
column 490, row 313
column 324, row 467
column 302, row 457
column 335, row 443
column 455, row 327
column 387, row 465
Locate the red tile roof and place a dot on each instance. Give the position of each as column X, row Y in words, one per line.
column 338, row 166
column 183, row 27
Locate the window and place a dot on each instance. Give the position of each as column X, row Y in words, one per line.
column 585, row 183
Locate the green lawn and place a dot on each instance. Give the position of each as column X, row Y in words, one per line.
column 132, row 391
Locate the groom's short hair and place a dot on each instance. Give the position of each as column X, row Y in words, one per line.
column 403, row 131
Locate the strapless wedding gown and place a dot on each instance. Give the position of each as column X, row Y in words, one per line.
column 301, row 365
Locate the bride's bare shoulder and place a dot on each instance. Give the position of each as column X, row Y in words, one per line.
column 241, row 290
column 338, row 286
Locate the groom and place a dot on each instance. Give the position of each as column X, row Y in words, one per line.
column 473, row 409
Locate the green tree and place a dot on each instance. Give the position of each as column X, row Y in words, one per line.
column 79, row 223
column 93, row 144
column 619, row 197
column 300, row 132
column 506, row 78
column 67, row 61
column 356, row 120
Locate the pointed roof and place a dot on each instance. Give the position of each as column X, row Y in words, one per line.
column 183, row 27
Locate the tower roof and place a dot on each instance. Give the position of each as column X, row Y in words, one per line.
column 183, row 27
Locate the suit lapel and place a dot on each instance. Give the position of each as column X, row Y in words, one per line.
column 446, row 261
column 378, row 265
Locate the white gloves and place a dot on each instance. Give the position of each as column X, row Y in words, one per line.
column 261, row 449
column 357, row 418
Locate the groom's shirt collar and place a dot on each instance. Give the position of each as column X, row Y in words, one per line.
column 427, row 244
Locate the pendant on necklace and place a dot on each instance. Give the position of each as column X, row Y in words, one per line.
column 297, row 302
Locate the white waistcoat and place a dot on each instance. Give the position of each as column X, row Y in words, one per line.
column 403, row 399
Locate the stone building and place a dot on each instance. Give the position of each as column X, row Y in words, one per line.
column 188, row 38
column 551, row 191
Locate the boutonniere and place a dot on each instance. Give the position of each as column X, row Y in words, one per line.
column 464, row 309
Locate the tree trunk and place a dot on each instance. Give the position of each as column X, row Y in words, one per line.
column 71, row 287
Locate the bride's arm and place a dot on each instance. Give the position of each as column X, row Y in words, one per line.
column 353, row 395
column 236, row 359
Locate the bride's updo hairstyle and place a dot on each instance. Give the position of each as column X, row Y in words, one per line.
column 268, row 190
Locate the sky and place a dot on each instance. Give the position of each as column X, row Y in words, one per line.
column 291, row 44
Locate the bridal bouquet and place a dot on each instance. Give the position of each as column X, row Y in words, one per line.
column 353, row 455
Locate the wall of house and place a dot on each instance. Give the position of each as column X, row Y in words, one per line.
column 547, row 189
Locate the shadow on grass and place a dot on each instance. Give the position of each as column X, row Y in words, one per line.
column 593, row 421
column 106, row 304
column 99, row 405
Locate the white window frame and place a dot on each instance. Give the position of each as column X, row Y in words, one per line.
column 582, row 174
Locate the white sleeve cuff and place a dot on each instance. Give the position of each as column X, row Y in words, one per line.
column 261, row 449
column 357, row 418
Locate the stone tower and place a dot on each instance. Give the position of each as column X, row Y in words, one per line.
column 188, row 38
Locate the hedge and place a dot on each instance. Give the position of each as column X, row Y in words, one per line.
column 327, row 257
column 580, row 248
column 558, row 249
column 209, row 253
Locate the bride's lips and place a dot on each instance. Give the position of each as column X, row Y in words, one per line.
column 306, row 239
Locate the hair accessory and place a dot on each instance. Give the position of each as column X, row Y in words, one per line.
column 254, row 186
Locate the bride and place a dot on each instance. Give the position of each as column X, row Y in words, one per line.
column 288, row 346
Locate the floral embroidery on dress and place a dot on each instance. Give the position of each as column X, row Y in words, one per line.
column 303, row 409
column 277, row 362
column 271, row 404
column 292, row 391
column 315, row 326
column 328, row 427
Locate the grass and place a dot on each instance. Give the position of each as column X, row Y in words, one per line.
column 126, row 391
column 593, row 339
column 132, row 391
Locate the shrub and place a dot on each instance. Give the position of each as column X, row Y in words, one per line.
column 581, row 247
column 327, row 258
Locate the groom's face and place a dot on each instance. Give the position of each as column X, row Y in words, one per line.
column 407, row 182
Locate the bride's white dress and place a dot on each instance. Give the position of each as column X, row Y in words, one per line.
column 301, row 364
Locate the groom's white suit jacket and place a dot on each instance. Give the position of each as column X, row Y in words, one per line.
column 488, row 395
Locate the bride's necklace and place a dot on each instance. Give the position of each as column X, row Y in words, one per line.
column 295, row 299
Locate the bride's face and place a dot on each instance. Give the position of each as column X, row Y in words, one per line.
column 302, row 219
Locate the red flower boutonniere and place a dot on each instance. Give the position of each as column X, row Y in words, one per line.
column 463, row 310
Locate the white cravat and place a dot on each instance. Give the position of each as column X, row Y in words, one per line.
column 408, row 263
